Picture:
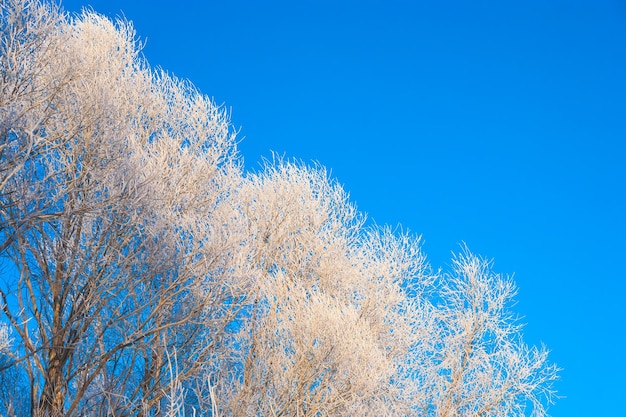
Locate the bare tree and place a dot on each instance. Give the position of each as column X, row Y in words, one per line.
column 110, row 218
column 144, row 274
column 330, row 327
column 476, row 363
column 31, row 77
column 351, row 320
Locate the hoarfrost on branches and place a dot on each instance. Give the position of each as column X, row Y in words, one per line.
column 144, row 273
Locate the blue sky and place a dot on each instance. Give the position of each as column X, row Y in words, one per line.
column 500, row 124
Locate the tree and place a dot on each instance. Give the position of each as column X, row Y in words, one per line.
column 351, row 320
column 331, row 322
column 476, row 362
column 146, row 274
column 110, row 241
column 31, row 40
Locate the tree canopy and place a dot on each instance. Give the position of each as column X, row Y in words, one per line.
column 146, row 273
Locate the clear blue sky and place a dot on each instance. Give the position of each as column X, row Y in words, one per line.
column 497, row 123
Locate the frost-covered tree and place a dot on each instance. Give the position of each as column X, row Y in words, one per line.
column 331, row 323
column 475, row 362
column 144, row 274
column 116, row 257
column 30, row 46
column 351, row 320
